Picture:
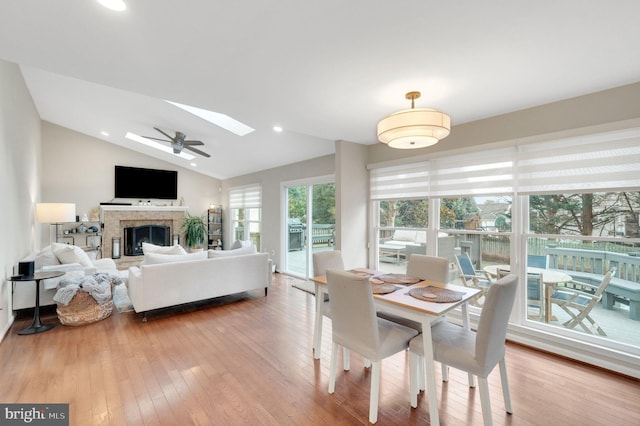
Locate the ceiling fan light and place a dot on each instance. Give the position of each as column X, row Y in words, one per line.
column 414, row 128
column 156, row 145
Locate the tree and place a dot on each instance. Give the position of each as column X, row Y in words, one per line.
column 501, row 222
column 298, row 203
column 585, row 214
column 404, row 213
column 457, row 210
column 324, row 203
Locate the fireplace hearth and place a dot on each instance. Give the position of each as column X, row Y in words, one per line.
column 136, row 235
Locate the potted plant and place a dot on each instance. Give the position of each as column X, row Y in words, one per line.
column 195, row 232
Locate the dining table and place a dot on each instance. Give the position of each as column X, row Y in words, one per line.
column 401, row 303
column 550, row 280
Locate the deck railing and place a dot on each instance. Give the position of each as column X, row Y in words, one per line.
column 596, row 262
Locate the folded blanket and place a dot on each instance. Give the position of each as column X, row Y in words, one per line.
column 98, row 285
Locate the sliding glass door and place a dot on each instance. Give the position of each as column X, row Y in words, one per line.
column 309, row 224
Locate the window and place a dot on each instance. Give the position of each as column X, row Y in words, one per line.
column 401, row 214
column 478, row 228
column 562, row 211
column 585, row 235
column 246, row 213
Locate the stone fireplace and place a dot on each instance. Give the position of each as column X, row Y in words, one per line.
column 116, row 218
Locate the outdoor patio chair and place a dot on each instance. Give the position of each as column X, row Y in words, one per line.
column 473, row 278
column 537, row 261
column 535, row 291
column 355, row 326
column 578, row 304
column 477, row 353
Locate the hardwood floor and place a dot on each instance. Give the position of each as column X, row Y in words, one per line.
column 247, row 359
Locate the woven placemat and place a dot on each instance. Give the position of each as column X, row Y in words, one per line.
column 398, row 279
column 383, row 288
column 436, row 294
column 361, row 273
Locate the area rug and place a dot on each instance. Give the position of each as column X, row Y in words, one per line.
column 307, row 286
column 121, row 298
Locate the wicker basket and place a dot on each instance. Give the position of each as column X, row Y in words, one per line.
column 83, row 309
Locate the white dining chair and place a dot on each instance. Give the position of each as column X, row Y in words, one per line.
column 329, row 259
column 323, row 260
column 476, row 353
column 426, row 268
column 355, row 326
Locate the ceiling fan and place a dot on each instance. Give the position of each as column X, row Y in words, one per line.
column 178, row 142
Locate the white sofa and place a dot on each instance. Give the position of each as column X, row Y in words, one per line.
column 70, row 259
column 179, row 279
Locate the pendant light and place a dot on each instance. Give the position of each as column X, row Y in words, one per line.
column 415, row 127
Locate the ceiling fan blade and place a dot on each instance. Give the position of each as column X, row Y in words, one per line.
column 156, row 139
column 164, row 133
column 197, row 151
column 193, row 143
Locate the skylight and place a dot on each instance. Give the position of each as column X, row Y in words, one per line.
column 117, row 5
column 157, row 145
column 221, row 120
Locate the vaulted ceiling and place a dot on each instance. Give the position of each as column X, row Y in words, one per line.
column 323, row 70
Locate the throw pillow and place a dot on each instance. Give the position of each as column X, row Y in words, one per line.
column 153, row 248
column 159, row 258
column 45, row 257
column 404, row 235
column 241, row 243
column 235, row 252
column 67, row 253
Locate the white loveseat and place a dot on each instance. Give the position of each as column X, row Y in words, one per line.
column 57, row 257
column 169, row 280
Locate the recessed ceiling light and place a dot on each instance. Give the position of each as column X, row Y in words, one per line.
column 157, row 145
column 117, row 5
column 194, row 165
column 277, row 129
column 220, row 120
column 103, row 133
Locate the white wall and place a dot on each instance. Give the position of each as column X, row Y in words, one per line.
column 80, row 169
column 352, row 201
column 20, row 182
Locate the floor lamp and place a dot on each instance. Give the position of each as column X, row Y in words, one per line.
column 55, row 214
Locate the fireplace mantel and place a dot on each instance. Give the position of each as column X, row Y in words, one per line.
column 144, row 208
column 115, row 218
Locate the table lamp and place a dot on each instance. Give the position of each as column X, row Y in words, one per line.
column 55, row 214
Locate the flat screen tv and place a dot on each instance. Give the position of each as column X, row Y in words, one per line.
column 135, row 182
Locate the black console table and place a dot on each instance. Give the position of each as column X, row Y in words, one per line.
column 36, row 326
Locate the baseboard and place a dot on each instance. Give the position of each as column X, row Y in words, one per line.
column 6, row 329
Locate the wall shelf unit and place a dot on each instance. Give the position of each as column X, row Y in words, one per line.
column 214, row 238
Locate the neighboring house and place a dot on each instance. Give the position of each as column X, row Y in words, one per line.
column 490, row 211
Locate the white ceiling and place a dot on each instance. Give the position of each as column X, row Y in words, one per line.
column 323, row 70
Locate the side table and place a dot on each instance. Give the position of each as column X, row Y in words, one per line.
column 37, row 326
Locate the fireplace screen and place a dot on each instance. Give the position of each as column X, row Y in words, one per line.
column 135, row 236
